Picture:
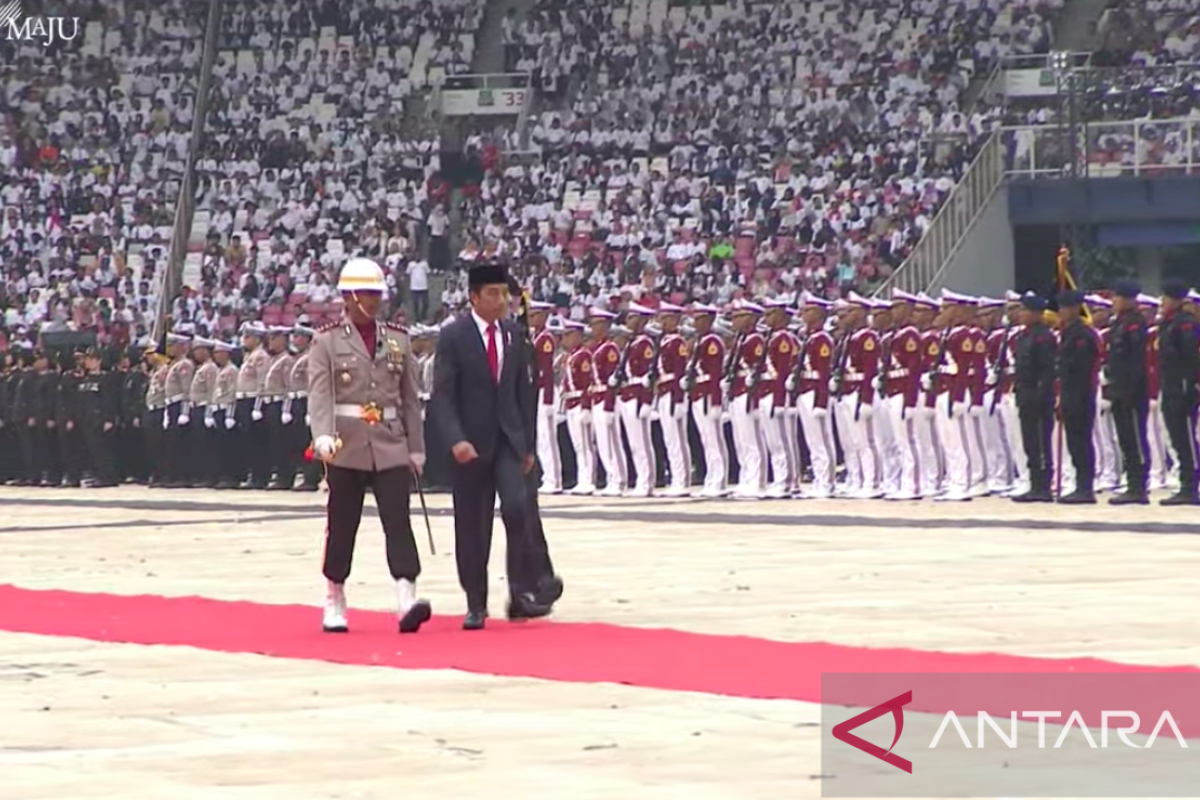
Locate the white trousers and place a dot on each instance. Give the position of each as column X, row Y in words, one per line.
column 674, row 420
column 608, row 448
column 712, row 442
column 1108, row 453
column 547, row 448
column 748, row 442
column 1159, row 443
column 579, row 426
column 635, row 419
column 856, row 430
column 818, row 434
column 929, row 448
column 952, row 431
column 778, row 427
column 997, row 460
column 904, row 426
column 1010, row 421
column 887, row 445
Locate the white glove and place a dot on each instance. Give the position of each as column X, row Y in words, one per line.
column 184, row 419
column 210, row 423
column 324, row 447
column 256, row 415
column 307, row 420
column 418, row 461
column 166, row 421
column 993, row 378
column 680, row 411
column 820, row 413
column 975, row 411
column 726, row 385
column 560, row 416
column 230, row 422
column 866, row 411
column 1105, row 405
column 645, row 411
column 286, row 418
column 790, row 384
column 833, row 387
column 613, row 382
column 878, row 384
column 725, row 417
column 586, row 417
column 927, row 383
column 1103, row 379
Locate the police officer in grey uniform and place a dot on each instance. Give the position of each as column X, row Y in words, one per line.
column 254, row 462
column 272, row 400
column 224, row 410
column 156, row 411
column 177, row 419
column 204, row 421
column 295, row 414
column 366, row 427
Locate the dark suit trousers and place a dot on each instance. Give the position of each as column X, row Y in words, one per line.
column 538, row 557
column 347, row 488
column 476, row 485
column 1129, row 417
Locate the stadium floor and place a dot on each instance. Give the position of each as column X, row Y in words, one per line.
column 166, row 644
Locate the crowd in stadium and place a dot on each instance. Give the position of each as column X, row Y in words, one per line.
column 726, row 151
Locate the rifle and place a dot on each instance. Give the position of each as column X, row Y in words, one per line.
column 731, row 361
column 689, row 375
column 1001, row 366
column 798, row 369
column 840, row 353
column 652, row 375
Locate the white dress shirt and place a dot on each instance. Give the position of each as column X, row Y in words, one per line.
column 482, row 326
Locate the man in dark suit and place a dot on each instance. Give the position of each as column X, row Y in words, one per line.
column 481, row 402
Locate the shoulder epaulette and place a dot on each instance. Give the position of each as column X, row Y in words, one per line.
column 396, row 327
column 328, row 326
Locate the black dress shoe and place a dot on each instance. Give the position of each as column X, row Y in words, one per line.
column 1181, row 499
column 525, row 606
column 474, row 621
column 1078, row 498
column 1129, row 499
column 549, row 590
column 415, row 617
column 306, row 487
column 1034, row 496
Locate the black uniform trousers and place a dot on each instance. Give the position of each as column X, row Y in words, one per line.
column 154, row 438
column 391, row 488
column 476, row 485
column 254, row 458
column 1129, row 417
column 131, row 451
column 1037, row 426
column 177, row 467
column 203, row 441
column 1179, row 416
column 101, row 451
column 224, row 444
column 310, row 470
column 1079, row 422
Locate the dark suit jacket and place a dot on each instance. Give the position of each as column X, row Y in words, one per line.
column 467, row 406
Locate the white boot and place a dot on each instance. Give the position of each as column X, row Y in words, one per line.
column 413, row 611
column 334, row 619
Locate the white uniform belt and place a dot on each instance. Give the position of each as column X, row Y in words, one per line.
column 356, row 411
column 810, row 375
column 272, row 398
column 898, row 373
column 297, row 395
column 246, row 395
column 179, row 398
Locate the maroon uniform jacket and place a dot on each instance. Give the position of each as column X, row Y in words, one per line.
column 749, row 362
column 862, row 365
column 672, row 365
column 577, row 384
column 638, row 364
column 782, row 352
column 904, row 371
column 710, row 361
column 818, row 367
column 543, row 349
column 606, row 357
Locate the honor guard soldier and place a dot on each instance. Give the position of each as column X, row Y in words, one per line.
column 1127, row 385
column 812, row 385
column 155, row 417
column 704, row 374
column 933, row 467
column 1155, row 424
column 901, row 390
column 224, row 414
column 72, row 453
column 577, row 404
column 98, row 412
column 366, row 427
column 1033, row 385
column 295, row 417
column 203, row 407
column 270, row 402
column 957, row 361
column 635, row 399
column 1179, row 368
column 740, row 384
column 254, row 457
column 544, row 349
column 1078, row 368
column 670, row 400
column 1107, row 450
column 606, row 359
column 856, row 402
column 177, row 418
column 778, row 425
column 131, row 447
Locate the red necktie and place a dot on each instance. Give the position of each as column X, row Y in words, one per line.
column 493, row 353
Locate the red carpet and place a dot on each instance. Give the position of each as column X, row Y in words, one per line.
column 579, row 652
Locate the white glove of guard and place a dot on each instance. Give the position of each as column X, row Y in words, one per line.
column 586, row 417
column 286, row 418
column 184, row 419
column 680, row 411
column 256, row 415
column 790, row 384
column 725, row 417
column 613, row 382
column 833, row 385
column 820, row 413
column 726, row 386
column 230, row 422
column 1105, row 405
column 324, row 447
column 645, row 411
column 166, row 421
column 927, row 383
column 878, row 384
column 307, row 420
column 865, row 412
column 1103, row 379
column 210, row 423
column 975, row 411
column 560, row 416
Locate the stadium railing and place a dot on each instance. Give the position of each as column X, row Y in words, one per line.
column 1135, row 148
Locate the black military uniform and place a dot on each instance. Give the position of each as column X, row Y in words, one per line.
column 1033, row 387
column 9, row 447
column 27, row 420
column 1179, row 372
column 97, row 412
column 131, row 444
column 70, row 439
column 1129, row 389
column 1078, row 363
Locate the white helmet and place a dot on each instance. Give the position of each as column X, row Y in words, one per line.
column 361, row 275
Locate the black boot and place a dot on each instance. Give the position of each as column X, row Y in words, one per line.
column 1083, row 496
column 1131, row 497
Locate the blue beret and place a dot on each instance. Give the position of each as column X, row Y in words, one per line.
column 1127, row 289
column 1033, row 302
column 1070, row 298
column 1176, row 290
